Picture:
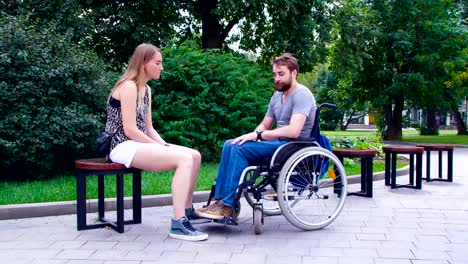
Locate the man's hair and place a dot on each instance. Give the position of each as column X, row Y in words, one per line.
column 288, row 60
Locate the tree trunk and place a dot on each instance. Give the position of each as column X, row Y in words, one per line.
column 211, row 29
column 214, row 34
column 344, row 126
column 432, row 129
column 393, row 118
column 461, row 126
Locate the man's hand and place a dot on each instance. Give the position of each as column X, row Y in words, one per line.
column 246, row 137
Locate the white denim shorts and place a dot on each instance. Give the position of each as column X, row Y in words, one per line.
column 124, row 152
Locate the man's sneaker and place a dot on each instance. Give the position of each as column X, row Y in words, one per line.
column 215, row 211
column 193, row 217
column 182, row 229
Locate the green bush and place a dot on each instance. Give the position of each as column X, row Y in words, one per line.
column 52, row 100
column 206, row 97
column 426, row 131
column 373, row 143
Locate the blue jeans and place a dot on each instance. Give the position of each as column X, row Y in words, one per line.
column 234, row 159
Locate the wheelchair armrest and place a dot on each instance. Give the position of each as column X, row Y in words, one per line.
column 307, row 139
column 287, row 149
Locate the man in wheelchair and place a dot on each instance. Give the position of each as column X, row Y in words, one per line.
column 292, row 107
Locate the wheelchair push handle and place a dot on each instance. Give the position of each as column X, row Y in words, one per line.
column 316, row 128
column 327, row 105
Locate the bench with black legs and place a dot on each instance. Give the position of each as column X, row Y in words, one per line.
column 438, row 149
column 366, row 157
column 415, row 154
column 98, row 167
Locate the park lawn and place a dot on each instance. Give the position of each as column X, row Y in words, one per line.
column 63, row 188
column 410, row 135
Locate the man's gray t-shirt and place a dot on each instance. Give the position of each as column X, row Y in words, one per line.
column 301, row 101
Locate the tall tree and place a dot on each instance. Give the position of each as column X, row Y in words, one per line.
column 114, row 27
column 397, row 52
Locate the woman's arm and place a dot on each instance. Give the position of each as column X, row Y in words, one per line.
column 128, row 97
column 150, row 131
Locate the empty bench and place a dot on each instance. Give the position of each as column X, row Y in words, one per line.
column 438, row 149
column 99, row 167
column 415, row 154
column 366, row 156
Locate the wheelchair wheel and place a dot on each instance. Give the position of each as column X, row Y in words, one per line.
column 258, row 219
column 236, row 210
column 312, row 188
column 269, row 198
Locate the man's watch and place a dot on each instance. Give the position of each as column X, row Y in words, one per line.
column 259, row 134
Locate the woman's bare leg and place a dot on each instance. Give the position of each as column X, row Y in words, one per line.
column 195, row 171
column 155, row 157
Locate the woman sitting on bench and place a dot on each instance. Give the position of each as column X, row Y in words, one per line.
column 137, row 144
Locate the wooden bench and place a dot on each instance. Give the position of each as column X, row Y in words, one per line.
column 391, row 153
column 366, row 156
column 99, row 167
column 440, row 149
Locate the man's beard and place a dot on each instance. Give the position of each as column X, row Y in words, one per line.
column 283, row 87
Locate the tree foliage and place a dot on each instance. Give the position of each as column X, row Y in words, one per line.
column 266, row 28
column 392, row 52
column 52, row 99
column 113, row 28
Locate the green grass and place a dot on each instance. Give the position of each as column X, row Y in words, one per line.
column 444, row 137
column 64, row 188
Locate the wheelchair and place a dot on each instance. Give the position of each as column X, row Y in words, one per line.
column 303, row 181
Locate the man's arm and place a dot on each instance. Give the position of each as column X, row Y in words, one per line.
column 266, row 123
column 293, row 130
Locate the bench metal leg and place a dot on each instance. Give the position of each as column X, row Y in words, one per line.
column 450, row 165
column 101, row 205
column 440, row 167
column 120, row 203
column 369, row 176
column 136, row 196
column 117, row 225
column 419, row 171
column 411, row 170
column 415, row 170
column 387, row 169
column 393, row 173
column 81, row 201
column 336, row 186
column 428, row 165
column 363, row 175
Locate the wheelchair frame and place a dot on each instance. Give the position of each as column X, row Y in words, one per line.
column 299, row 171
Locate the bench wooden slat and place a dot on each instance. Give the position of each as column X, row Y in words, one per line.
column 97, row 164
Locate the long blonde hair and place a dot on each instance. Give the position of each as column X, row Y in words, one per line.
column 136, row 71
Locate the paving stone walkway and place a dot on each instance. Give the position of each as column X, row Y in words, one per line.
column 400, row 226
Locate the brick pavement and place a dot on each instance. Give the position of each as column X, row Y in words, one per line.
column 400, row 226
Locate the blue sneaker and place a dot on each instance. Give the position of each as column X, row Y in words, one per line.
column 193, row 217
column 182, row 229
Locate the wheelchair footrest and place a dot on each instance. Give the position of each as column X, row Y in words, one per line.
column 228, row 220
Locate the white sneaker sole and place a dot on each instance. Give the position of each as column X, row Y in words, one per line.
column 189, row 238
